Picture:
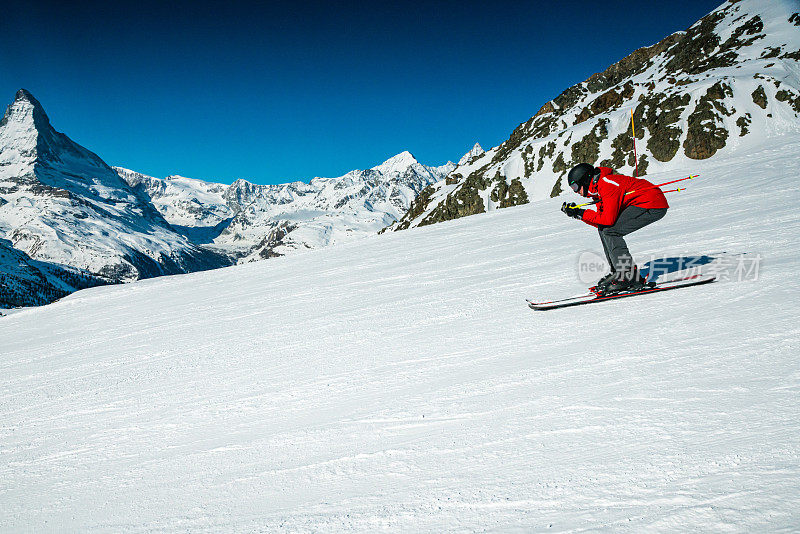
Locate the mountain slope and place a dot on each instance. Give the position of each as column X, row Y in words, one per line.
column 27, row 282
column 400, row 383
column 730, row 82
column 61, row 204
column 254, row 222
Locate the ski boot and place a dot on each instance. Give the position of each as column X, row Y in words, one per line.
column 603, row 282
column 627, row 282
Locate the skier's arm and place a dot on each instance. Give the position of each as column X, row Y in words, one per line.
column 608, row 209
column 588, row 222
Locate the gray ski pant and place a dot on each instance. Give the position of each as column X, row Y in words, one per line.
column 630, row 219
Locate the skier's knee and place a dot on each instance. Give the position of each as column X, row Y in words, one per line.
column 609, row 232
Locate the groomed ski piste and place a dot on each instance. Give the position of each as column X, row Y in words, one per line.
column 401, row 383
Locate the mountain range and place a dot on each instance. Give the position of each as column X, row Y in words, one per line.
column 250, row 222
column 69, row 221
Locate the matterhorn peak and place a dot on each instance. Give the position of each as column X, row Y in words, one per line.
column 26, row 108
column 24, row 94
column 475, row 151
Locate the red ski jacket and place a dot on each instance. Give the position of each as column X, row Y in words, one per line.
column 611, row 188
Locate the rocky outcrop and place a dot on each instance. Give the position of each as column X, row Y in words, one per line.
column 507, row 195
column 466, row 200
column 790, row 97
column 659, row 114
column 706, row 133
column 759, row 97
column 691, row 90
column 416, row 209
column 267, row 247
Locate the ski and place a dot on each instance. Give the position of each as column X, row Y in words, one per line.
column 594, row 297
column 592, row 294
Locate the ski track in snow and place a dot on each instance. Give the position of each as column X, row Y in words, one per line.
column 401, row 383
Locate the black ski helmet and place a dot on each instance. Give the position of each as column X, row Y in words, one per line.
column 580, row 175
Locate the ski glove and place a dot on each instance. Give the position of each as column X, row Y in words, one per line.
column 572, row 210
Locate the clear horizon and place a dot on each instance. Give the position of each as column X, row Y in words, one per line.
column 280, row 93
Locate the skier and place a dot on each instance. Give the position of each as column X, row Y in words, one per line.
column 624, row 204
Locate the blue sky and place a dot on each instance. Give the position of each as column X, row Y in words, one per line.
column 288, row 91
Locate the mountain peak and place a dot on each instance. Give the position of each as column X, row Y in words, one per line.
column 476, row 150
column 399, row 162
column 26, row 108
column 24, row 94
column 240, row 183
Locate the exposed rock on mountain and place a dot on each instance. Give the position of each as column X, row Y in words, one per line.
column 730, row 80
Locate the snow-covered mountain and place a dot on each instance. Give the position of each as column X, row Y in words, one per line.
column 28, row 282
column 253, row 222
column 61, row 205
column 184, row 201
column 475, row 152
column 731, row 81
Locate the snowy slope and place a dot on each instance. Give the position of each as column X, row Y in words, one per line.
column 259, row 221
column 730, row 81
column 401, row 384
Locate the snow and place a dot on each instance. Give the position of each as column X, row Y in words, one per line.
column 397, row 163
column 400, row 383
column 235, row 219
column 475, row 151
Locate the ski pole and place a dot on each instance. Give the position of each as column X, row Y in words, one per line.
column 635, row 159
column 667, row 183
column 659, row 185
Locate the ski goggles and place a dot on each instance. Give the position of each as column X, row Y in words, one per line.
column 575, row 186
